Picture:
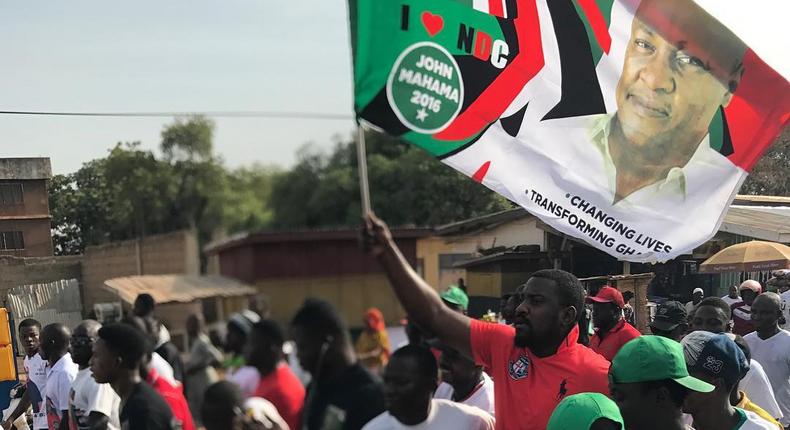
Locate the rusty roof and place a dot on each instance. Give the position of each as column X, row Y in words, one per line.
column 315, row 235
column 176, row 288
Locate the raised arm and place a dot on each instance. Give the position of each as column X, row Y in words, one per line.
column 421, row 302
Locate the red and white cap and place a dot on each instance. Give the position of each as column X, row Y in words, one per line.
column 608, row 295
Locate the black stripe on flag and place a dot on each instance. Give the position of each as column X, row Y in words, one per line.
column 581, row 92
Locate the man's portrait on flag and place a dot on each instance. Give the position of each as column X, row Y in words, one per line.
column 629, row 124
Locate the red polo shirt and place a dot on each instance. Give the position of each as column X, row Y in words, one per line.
column 174, row 396
column 618, row 336
column 286, row 393
column 528, row 388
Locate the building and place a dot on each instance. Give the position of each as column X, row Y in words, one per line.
column 25, row 220
column 178, row 296
column 513, row 244
column 288, row 267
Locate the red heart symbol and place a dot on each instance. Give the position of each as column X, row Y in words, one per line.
column 432, row 23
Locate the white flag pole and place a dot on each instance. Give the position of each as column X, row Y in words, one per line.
column 362, row 166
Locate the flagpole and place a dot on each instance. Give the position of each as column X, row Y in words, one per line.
column 362, row 166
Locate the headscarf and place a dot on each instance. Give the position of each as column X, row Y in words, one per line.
column 374, row 320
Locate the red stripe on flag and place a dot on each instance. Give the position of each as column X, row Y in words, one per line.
column 758, row 111
column 598, row 23
column 481, row 172
column 495, row 8
column 493, row 101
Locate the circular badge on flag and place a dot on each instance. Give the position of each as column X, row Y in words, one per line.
column 425, row 88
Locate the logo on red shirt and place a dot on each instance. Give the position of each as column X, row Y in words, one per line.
column 518, row 369
column 563, row 390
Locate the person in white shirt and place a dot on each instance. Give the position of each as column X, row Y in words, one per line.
column 770, row 346
column 696, row 297
column 464, row 382
column 410, row 380
column 60, row 375
column 733, row 297
column 92, row 406
column 36, row 370
column 713, row 315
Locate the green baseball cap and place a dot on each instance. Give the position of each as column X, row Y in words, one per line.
column 654, row 358
column 580, row 411
column 453, row 294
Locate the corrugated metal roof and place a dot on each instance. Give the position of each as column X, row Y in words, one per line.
column 760, row 224
column 177, row 288
column 766, row 200
column 306, row 236
column 481, row 223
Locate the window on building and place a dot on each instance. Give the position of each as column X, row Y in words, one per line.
column 11, row 240
column 11, row 194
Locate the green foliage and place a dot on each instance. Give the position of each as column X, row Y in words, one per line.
column 771, row 175
column 408, row 187
column 132, row 193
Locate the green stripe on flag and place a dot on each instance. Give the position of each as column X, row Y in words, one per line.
column 606, row 10
column 716, row 131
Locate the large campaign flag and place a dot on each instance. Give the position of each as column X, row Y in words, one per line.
column 630, row 125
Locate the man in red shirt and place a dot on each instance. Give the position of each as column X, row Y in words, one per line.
column 278, row 384
column 173, row 395
column 611, row 329
column 536, row 362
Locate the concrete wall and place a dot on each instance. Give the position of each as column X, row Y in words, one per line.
column 520, row 232
column 172, row 253
column 24, row 271
column 34, row 196
column 36, row 234
column 25, row 168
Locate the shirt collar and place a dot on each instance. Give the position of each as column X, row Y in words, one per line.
column 676, row 180
column 571, row 341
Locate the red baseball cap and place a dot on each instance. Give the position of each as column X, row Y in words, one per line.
column 608, row 295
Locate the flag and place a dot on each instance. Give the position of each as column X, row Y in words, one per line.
column 629, row 125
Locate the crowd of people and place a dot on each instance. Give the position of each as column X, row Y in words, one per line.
column 559, row 358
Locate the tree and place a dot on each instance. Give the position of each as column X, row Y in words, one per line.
column 407, row 187
column 771, row 175
column 131, row 193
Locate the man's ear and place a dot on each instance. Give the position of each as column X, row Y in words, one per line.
column 569, row 316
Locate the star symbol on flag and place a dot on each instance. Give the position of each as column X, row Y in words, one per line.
column 422, row 114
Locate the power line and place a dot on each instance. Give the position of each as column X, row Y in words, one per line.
column 226, row 114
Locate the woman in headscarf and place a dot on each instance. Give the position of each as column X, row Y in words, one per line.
column 373, row 345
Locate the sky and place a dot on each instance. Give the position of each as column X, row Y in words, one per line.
column 172, row 56
column 199, row 55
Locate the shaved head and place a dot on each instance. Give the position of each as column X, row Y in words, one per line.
column 88, row 328
column 769, row 299
column 54, row 342
column 766, row 312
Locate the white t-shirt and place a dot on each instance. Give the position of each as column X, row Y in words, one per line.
column 163, row 368
column 444, row 414
column 247, row 378
column 774, row 355
column 758, row 389
column 730, row 301
column 59, row 379
column 89, row 396
column 36, row 369
column 752, row 421
column 482, row 397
